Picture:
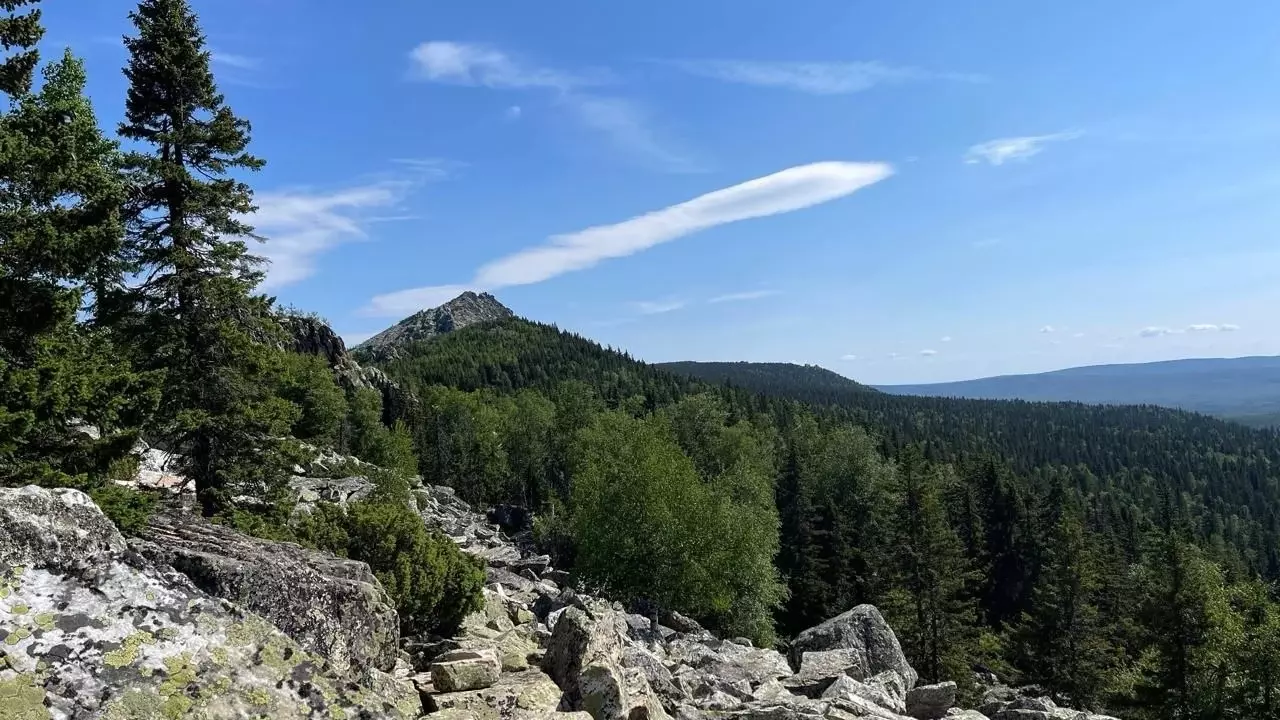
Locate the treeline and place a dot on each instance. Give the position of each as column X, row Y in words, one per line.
column 129, row 311
column 1118, row 556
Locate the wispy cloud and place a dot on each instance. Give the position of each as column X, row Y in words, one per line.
column 231, row 60
column 744, row 296
column 629, row 127
column 1078, row 335
column 427, row 168
column 986, row 243
column 1047, row 329
column 1002, row 150
column 1160, row 331
column 625, row 123
column 945, row 338
column 300, row 225
column 928, row 353
column 792, row 189
column 818, row 78
column 657, row 307
column 463, row 63
column 848, row 357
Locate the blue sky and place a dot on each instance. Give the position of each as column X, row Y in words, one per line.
column 902, row 191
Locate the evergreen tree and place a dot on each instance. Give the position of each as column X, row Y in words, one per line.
column 930, row 606
column 192, row 315
column 1061, row 637
column 22, row 31
column 59, row 225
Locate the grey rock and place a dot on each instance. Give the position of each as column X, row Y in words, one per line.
column 332, row 607
column 106, row 632
column 863, row 630
column 820, row 668
column 881, row 692
column 462, row 670
column 930, row 702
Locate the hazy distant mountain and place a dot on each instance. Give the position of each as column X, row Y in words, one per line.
column 1247, row 389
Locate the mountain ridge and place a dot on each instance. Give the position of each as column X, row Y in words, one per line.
column 1245, row 387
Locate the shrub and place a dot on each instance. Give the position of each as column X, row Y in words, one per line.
column 433, row 583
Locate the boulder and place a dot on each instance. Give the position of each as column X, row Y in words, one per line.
column 95, row 630
column 880, row 691
column 820, row 668
column 332, row 607
column 958, row 714
column 930, row 702
column 864, row 631
column 584, row 657
column 465, row 670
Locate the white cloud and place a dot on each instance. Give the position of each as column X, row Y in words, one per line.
column 848, row 357
column 945, row 338
column 986, row 243
column 1160, row 331
column 407, row 302
column 657, row 307
column 782, row 192
column 514, row 112
column 893, row 356
column 1047, row 329
column 461, row 63
column 1210, row 327
column 928, row 353
column 818, row 78
column 1078, row 335
column 744, row 296
column 427, row 168
column 300, row 225
column 998, row 152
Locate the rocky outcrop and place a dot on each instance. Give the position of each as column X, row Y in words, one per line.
column 332, row 607
column 930, row 702
column 864, row 640
column 467, row 309
column 94, row 629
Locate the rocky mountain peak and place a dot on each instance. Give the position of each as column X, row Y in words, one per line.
column 469, row 308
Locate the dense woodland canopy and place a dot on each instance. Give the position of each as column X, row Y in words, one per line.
column 1124, row 557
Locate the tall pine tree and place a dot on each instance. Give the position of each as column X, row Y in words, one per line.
column 192, row 314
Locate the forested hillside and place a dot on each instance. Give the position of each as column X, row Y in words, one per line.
column 1063, row 543
column 808, row 383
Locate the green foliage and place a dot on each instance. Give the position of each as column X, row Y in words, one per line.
column 22, row 31
column 433, row 583
column 307, row 382
column 647, row 526
column 193, row 318
column 128, row 509
column 932, row 606
column 59, row 228
column 369, row 439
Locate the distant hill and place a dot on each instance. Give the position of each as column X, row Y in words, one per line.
column 807, row 383
column 1246, row 389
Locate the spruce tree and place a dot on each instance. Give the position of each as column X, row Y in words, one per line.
column 930, row 605
column 22, row 31
column 1062, row 636
column 193, row 315
column 59, row 226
